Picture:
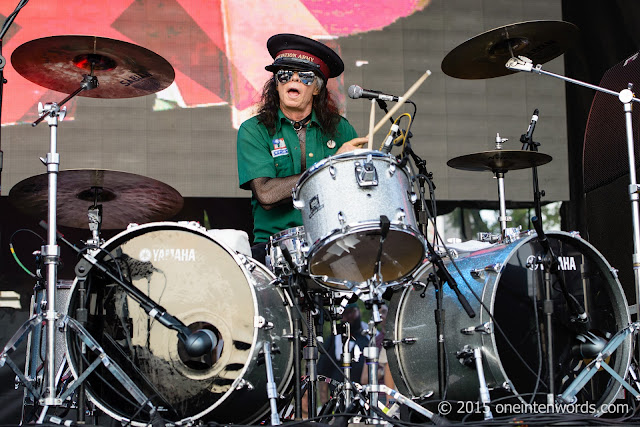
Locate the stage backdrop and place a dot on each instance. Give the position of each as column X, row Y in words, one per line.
column 185, row 135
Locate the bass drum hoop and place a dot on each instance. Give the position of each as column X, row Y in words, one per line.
column 138, row 230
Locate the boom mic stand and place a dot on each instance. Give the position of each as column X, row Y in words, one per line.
column 441, row 275
column 626, row 97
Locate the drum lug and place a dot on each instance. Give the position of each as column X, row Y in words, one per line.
column 392, row 171
column 478, row 274
column 342, row 221
column 261, row 322
column 366, row 173
column 495, row 268
column 387, row 343
column 244, row 384
column 486, row 328
column 250, row 265
column 332, row 171
column 400, row 216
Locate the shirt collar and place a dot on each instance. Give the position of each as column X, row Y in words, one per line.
column 282, row 117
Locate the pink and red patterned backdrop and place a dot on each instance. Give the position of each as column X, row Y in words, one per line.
column 217, row 47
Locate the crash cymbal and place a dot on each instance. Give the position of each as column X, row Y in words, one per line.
column 485, row 55
column 124, row 70
column 125, row 198
column 499, row 160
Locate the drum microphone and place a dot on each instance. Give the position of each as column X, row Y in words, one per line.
column 589, row 346
column 542, row 238
column 526, row 137
column 388, row 143
column 200, row 342
column 356, row 92
column 571, row 300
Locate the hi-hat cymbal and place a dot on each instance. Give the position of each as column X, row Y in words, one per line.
column 125, row 198
column 499, row 160
column 124, row 70
column 485, row 55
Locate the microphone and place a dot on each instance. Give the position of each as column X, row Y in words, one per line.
column 527, row 136
column 542, row 238
column 200, row 342
column 388, row 143
column 588, row 345
column 356, row 92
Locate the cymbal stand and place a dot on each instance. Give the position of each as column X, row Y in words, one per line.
column 626, row 97
column 51, row 251
column 499, row 174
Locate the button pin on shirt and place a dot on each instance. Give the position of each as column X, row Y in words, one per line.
column 331, row 143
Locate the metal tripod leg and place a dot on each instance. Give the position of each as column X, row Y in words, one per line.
column 569, row 395
column 485, row 398
column 272, row 391
column 91, row 344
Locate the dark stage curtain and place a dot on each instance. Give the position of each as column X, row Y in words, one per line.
column 608, row 35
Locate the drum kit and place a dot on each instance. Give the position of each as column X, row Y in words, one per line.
column 543, row 313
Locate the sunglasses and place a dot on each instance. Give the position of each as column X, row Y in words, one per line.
column 306, row 77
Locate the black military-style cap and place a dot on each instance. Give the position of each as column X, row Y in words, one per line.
column 302, row 53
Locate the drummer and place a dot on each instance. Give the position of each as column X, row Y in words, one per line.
column 298, row 124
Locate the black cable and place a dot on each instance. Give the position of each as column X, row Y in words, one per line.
column 437, row 237
column 12, row 16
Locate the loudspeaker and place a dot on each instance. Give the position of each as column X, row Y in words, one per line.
column 606, row 172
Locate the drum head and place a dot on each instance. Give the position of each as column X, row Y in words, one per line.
column 197, row 280
column 589, row 279
column 352, row 257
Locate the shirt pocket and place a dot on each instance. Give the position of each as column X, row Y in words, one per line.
column 284, row 166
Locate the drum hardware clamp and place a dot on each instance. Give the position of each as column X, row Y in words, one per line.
column 486, row 328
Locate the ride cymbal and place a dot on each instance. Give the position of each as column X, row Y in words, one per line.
column 125, row 198
column 499, row 160
column 124, row 70
column 485, row 55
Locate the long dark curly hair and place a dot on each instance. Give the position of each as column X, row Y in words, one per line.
column 326, row 110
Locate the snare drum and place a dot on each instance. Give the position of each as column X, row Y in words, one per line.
column 343, row 200
column 293, row 240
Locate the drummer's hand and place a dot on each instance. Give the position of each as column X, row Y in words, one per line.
column 354, row 144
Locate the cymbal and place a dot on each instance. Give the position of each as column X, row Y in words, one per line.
column 485, row 55
column 124, row 70
column 499, row 160
column 125, row 198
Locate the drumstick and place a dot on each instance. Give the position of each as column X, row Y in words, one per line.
column 372, row 120
column 395, row 108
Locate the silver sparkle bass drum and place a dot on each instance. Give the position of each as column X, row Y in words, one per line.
column 343, row 200
column 509, row 326
column 206, row 285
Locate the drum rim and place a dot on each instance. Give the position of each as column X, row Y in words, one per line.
column 291, row 231
column 320, row 164
column 197, row 229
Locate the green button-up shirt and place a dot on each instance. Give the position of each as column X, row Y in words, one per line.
column 261, row 155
